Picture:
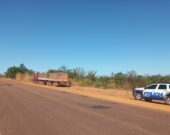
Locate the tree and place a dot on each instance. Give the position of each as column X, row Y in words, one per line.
column 12, row 71
column 22, row 68
column 91, row 75
column 132, row 78
column 52, row 71
column 79, row 72
column 119, row 79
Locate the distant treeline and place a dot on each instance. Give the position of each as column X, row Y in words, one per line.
column 78, row 76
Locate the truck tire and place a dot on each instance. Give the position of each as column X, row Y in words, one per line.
column 68, row 84
column 49, row 83
column 148, row 99
column 137, row 96
column 167, row 100
column 45, row 82
column 55, row 84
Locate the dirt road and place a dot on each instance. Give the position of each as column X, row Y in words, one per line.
column 29, row 110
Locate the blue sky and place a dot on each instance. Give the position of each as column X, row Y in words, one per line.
column 103, row 35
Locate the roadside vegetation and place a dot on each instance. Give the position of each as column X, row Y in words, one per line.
column 80, row 77
column 19, row 73
column 1, row 76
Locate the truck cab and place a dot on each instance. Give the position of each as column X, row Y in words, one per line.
column 159, row 91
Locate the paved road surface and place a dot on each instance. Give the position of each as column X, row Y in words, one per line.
column 30, row 110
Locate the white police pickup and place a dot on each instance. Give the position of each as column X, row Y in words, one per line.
column 159, row 91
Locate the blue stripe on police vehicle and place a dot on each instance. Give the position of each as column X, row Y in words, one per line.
column 153, row 94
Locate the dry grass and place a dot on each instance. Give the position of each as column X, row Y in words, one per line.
column 112, row 92
column 24, row 77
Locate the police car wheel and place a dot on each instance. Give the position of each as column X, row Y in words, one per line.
column 148, row 99
column 167, row 100
column 137, row 96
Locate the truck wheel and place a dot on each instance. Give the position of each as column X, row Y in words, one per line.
column 137, row 96
column 148, row 100
column 68, row 84
column 167, row 100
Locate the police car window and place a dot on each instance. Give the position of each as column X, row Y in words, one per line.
column 151, row 87
column 162, row 87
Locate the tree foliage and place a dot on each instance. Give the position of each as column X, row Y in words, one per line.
column 79, row 76
column 118, row 80
column 12, row 71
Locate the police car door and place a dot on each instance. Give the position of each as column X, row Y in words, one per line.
column 147, row 93
column 160, row 92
